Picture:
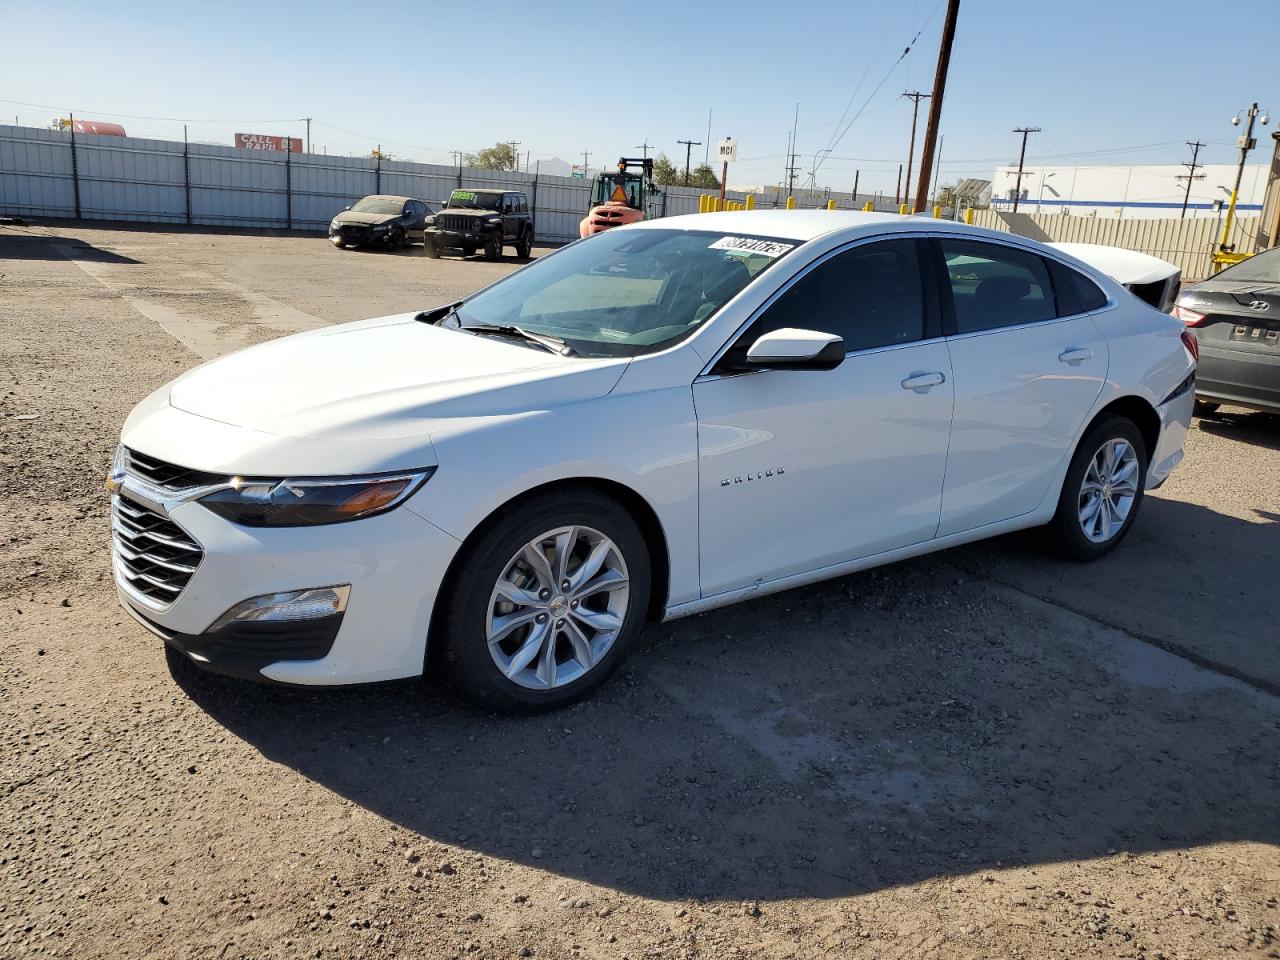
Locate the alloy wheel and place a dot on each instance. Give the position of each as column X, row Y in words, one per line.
column 557, row 608
column 1108, row 490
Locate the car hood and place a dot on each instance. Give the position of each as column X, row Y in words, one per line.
column 385, row 378
column 368, row 219
column 468, row 212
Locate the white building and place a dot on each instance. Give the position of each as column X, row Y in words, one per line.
column 1138, row 191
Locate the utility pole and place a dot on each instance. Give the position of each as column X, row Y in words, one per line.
column 688, row 152
column 915, row 96
column 792, row 169
column 897, row 191
column 586, row 155
column 937, row 173
column 853, row 197
column 1245, row 143
column 1191, row 174
column 1022, row 156
column 644, row 148
column 935, row 101
column 707, row 156
column 515, row 155
column 308, row 121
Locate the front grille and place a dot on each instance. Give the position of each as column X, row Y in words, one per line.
column 456, row 223
column 164, row 474
column 155, row 555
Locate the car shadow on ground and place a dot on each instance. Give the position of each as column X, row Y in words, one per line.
column 40, row 247
column 1259, row 429
column 885, row 728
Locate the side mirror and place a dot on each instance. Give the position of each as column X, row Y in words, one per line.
column 792, row 349
column 347, row 207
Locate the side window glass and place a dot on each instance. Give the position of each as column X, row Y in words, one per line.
column 1084, row 295
column 871, row 296
column 995, row 286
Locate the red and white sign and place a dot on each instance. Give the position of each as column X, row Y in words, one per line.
column 262, row 141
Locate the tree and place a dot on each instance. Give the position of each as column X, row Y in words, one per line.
column 498, row 157
column 703, row 176
column 665, row 172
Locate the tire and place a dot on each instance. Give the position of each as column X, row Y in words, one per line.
column 493, row 247
column 1206, row 408
column 431, row 247
column 1079, row 534
column 525, row 245
column 471, row 638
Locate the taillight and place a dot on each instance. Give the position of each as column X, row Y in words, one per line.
column 1189, row 317
column 1192, row 344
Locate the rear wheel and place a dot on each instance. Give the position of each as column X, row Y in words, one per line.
column 1103, row 490
column 543, row 606
column 525, row 246
column 493, row 246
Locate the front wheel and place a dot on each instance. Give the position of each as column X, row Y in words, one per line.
column 493, row 246
column 543, row 606
column 1102, row 491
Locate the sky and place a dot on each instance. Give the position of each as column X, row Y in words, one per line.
column 1108, row 81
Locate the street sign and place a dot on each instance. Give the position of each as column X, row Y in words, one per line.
column 727, row 150
column 578, row 171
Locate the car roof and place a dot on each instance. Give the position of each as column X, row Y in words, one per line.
column 486, row 190
column 387, row 196
column 806, row 225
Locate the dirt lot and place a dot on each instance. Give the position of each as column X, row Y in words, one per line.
column 987, row 753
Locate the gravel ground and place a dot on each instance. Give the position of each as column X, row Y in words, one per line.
column 986, row 753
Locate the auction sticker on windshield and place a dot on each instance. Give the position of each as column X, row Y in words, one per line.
column 750, row 245
column 462, row 195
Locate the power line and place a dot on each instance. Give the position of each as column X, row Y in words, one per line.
column 644, row 148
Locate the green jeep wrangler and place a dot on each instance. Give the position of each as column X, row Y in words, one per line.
column 482, row 219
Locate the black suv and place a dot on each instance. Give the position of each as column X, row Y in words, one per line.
column 482, row 219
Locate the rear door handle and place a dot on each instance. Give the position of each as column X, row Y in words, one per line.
column 921, row 382
column 1075, row 356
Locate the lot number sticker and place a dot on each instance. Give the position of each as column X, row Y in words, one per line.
column 748, row 245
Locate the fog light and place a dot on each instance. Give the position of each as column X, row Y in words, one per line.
column 310, row 604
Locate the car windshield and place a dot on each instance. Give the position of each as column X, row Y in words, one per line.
column 378, row 205
column 472, row 200
column 627, row 292
column 1261, row 268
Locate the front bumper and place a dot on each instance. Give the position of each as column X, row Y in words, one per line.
column 394, row 563
column 459, row 238
column 357, row 236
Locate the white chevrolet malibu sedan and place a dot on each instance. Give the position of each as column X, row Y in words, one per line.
column 652, row 422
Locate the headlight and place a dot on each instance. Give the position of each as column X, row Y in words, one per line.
column 381, row 226
column 334, row 225
column 256, row 502
column 494, row 220
column 431, row 221
column 116, row 472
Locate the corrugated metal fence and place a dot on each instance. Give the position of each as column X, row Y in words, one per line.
column 53, row 173
column 1188, row 243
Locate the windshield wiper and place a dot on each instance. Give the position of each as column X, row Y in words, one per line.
column 546, row 341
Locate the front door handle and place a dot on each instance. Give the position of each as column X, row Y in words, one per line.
column 920, row 382
column 1075, row 356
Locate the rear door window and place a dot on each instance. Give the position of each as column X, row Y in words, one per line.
column 995, row 286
